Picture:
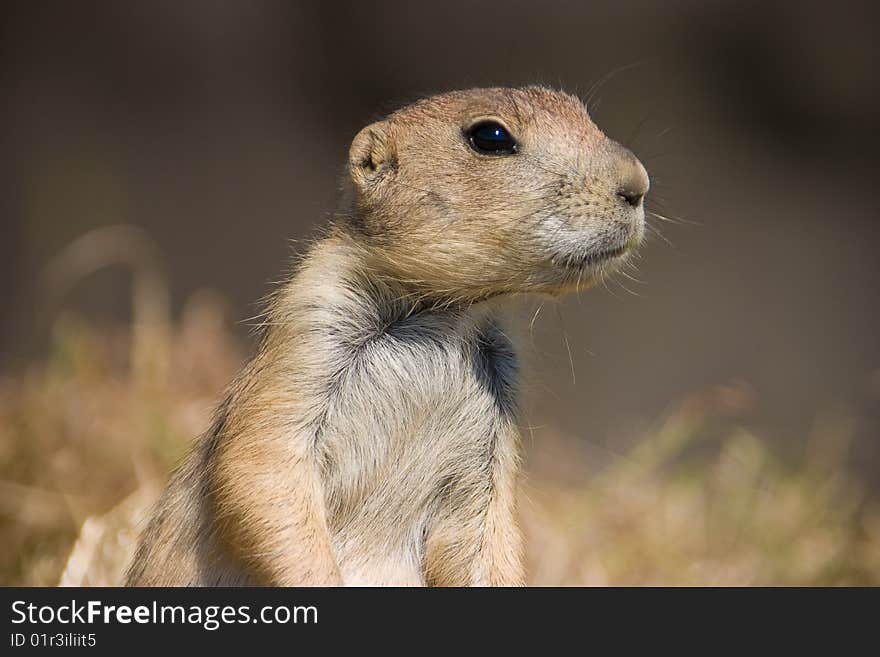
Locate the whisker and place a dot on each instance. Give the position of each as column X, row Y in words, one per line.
column 673, row 220
column 656, row 231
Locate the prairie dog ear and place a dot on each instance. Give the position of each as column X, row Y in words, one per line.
column 370, row 154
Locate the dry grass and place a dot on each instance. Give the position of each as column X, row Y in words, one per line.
column 702, row 502
column 83, row 431
column 87, row 436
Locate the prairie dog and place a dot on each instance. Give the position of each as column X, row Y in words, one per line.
column 372, row 439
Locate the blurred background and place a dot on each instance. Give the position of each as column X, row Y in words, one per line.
column 716, row 421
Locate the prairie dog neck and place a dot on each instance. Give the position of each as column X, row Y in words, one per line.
column 338, row 302
column 343, row 273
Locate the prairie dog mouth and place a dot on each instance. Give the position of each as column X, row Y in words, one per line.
column 594, row 258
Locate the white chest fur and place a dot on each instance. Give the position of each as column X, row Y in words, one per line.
column 410, row 436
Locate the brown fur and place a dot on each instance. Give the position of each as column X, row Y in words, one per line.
column 373, row 437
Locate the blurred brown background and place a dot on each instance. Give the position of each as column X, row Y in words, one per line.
column 220, row 128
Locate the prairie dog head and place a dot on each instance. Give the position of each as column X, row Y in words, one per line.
column 475, row 193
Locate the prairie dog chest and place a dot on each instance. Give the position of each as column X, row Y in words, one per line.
column 418, row 417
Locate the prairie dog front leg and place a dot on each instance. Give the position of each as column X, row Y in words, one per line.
column 486, row 549
column 268, row 500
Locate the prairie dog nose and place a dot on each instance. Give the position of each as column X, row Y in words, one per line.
column 633, row 180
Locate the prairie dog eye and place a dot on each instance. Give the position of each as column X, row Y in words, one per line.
column 491, row 138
